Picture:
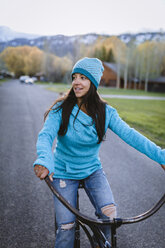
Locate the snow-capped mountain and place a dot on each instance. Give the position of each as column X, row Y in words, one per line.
column 62, row 45
column 58, row 44
column 7, row 34
column 142, row 37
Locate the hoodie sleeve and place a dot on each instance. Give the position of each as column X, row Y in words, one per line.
column 45, row 140
column 134, row 138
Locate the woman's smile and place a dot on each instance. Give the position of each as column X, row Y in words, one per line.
column 80, row 84
column 78, row 89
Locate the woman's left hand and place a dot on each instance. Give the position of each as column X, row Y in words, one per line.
column 163, row 166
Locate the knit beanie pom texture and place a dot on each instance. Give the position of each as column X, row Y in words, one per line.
column 92, row 68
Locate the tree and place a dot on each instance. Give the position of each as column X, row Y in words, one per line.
column 22, row 60
column 13, row 61
column 130, row 64
column 2, row 64
column 54, row 68
column 33, row 61
column 151, row 58
column 110, row 57
column 103, row 53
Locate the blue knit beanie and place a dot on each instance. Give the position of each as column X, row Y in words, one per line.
column 92, row 68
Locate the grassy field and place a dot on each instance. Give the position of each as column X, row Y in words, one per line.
column 104, row 90
column 113, row 91
column 146, row 116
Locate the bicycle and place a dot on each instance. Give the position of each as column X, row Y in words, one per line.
column 93, row 224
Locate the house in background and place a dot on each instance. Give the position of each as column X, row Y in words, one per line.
column 109, row 79
column 40, row 76
column 157, row 84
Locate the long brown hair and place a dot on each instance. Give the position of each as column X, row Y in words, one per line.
column 93, row 104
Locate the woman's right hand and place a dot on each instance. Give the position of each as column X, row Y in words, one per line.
column 42, row 172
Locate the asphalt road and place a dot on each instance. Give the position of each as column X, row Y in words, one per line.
column 26, row 205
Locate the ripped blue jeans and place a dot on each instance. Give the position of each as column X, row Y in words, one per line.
column 100, row 195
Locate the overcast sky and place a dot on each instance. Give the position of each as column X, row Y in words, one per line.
column 71, row 17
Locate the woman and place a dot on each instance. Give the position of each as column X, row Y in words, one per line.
column 80, row 121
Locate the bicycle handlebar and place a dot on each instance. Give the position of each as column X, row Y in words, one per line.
column 147, row 214
column 116, row 221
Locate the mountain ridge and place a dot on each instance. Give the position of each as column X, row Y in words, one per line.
column 61, row 45
column 7, row 34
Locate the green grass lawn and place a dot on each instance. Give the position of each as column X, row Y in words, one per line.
column 146, row 116
column 59, row 87
column 113, row 91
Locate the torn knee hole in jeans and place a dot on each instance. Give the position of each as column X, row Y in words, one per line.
column 109, row 211
column 67, row 226
column 62, row 183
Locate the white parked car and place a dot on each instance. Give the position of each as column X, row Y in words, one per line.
column 29, row 80
column 23, row 78
column 26, row 79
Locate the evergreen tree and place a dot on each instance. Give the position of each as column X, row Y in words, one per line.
column 103, row 53
column 110, row 56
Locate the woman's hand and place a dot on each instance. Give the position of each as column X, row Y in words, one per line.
column 42, row 172
column 163, row 166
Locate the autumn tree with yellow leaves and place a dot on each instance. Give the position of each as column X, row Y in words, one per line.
column 113, row 50
column 149, row 57
column 135, row 63
column 54, row 67
column 26, row 60
column 22, row 60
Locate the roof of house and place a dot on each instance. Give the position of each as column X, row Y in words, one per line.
column 112, row 66
column 157, row 80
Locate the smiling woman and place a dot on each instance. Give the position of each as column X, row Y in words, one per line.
column 80, row 85
column 80, row 120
